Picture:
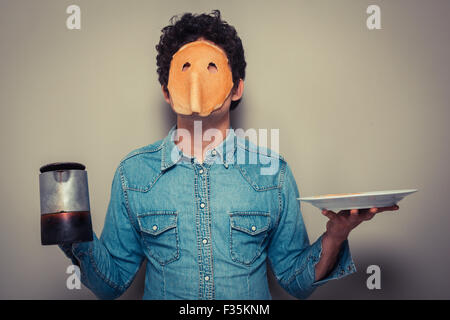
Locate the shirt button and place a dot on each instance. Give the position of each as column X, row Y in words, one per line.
column 205, row 241
column 206, row 278
column 202, row 205
column 155, row 227
column 253, row 228
column 200, row 171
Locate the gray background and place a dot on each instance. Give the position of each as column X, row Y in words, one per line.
column 357, row 110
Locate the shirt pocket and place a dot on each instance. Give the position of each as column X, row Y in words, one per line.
column 248, row 230
column 160, row 235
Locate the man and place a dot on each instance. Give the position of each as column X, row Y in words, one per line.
column 197, row 205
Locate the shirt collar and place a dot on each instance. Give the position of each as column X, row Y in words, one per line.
column 223, row 153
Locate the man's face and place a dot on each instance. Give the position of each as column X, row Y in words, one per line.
column 200, row 80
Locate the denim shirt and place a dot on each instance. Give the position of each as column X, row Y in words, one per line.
column 207, row 230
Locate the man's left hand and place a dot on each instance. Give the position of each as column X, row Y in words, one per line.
column 341, row 223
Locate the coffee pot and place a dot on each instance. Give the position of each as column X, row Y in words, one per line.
column 65, row 210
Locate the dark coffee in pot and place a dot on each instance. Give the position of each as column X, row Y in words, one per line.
column 66, row 227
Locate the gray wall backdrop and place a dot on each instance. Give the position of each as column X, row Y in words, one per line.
column 357, row 110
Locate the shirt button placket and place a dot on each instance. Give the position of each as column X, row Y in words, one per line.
column 204, row 233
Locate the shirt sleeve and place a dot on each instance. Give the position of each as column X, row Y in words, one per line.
column 108, row 265
column 291, row 256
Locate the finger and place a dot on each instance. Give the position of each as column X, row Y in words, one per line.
column 362, row 211
column 328, row 213
column 364, row 214
column 343, row 213
column 354, row 212
column 391, row 208
column 369, row 214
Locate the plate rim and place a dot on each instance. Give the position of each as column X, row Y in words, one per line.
column 360, row 194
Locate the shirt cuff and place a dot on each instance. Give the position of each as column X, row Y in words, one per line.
column 344, row 265
column 75, row 251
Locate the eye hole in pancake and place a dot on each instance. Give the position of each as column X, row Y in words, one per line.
column 186, row 66
column 212, row 68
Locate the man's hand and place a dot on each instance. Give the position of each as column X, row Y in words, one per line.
column 341, row 223
column 338, row 228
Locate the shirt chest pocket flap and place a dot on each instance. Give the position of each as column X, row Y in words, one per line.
column 160, row 235
column 248, row 230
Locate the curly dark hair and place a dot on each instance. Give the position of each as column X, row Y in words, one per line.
column 189, row 28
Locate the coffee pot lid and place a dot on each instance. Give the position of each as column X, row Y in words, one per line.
column 62, row 166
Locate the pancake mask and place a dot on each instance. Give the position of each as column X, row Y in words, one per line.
column 200, row 79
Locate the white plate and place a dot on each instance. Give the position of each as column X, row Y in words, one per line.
column 361, row 200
